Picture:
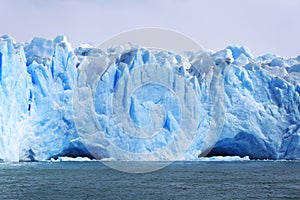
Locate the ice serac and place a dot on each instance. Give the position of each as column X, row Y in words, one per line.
column 145, row 105
column 261, row 100
column 262, row 107
column 52, row 67
column 14, row 98
column 36, row 90
column 142, row 90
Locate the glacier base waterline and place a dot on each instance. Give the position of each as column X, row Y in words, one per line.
column 38, row 80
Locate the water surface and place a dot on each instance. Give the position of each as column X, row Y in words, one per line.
column 181, row 180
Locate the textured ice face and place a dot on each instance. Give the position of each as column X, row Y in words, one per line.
column 146, row 104
column 52, row 68
column 142, row 104
column 260, row 113
column 14, row 98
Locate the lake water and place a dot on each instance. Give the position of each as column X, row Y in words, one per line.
column 181, row 180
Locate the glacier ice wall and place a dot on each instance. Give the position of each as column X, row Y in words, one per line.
column 144, row 105
column 14, row 97
column 52, row 68
column 262, row 106
column 38, row 81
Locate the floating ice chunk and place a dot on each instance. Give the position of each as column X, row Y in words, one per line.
column 225, row 158
column 70, row 159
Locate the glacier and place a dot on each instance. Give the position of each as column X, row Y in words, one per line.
column 224, row 103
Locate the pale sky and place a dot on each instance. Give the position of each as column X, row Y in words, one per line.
column 265, row 26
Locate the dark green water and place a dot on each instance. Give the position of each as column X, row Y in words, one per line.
column 181, row 180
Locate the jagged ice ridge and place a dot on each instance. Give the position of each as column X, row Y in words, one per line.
column 38, row 80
